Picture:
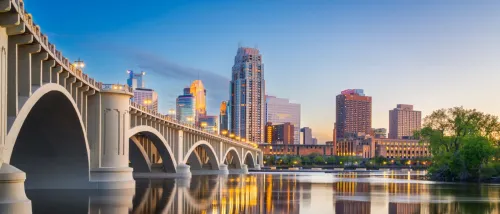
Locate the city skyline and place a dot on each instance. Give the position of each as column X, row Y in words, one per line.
column 404, row 51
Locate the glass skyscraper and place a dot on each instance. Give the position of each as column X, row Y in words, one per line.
column 142, row 95
column 198, row 91
column 247, row 101
column 186, row 108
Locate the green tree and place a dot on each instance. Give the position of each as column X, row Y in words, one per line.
column 331, row 160
column 306, row 160
column 319, row 160
column 451, row 133
column 295, row 161
column 284, row 160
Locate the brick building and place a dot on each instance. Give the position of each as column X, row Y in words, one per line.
column 280, row 134
column 354, row 113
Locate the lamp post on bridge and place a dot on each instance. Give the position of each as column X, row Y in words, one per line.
column 79, row 64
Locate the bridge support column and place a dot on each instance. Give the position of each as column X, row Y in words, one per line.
column 12, row 196
column 257, row 167
column 110, row 148
column 243, row 170
column 223, row 169
column 183, row 170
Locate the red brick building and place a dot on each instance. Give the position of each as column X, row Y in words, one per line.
column 296, row 149
column 354, row 113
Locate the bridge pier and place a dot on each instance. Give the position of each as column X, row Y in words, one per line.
column 243, row 170
column 12, row 196
column 183, row 171
column 109, row 110
column 112, row 201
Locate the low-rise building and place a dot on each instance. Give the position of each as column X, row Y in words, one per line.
column 402, row 148
column 294, row 149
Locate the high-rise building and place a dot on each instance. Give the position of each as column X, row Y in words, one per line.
column 146, row 97
column 198, row 91
column 247, row 90
column 280, row 133
column 403, row 121
column 142, row 95
column 307, row 134
column 186, row 108
column 209, row 124
column 135, row 79
column 280, row 110
column 354, row 113
column 315, row 141
column 224, row 117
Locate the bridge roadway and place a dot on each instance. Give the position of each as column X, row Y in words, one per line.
column 59, row 128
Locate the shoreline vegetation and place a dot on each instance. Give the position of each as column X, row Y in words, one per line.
column 464, row 143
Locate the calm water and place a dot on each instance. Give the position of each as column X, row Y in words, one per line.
column 311, row 193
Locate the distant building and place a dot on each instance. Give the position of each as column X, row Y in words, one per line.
column 307, row 134
column 354, row 113
column 315, row 141
column 146, row 97
column 209, row 124
column 280, row 110
column 224, row 117
column 247, row 90
column 403, row 121
column 142, row 95
column 401, row 148
column 279, row 134
column 198, row 91
column 380, row 133
column 135, row 79
column 186, row 108
column 329, row 142
column 295, row 149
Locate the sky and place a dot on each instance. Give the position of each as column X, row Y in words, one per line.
column 430, row 53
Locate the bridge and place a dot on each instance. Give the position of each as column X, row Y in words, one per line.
column 60, row 128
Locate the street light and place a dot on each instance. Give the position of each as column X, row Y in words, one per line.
column 79, row 64
column 203, row 124
column 171, row 111
column 243, row 139
column 224, row 132
column 238, row 137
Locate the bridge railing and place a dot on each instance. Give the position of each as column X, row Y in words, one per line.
column 50, row 48
column 116, row 87
column 174, row 120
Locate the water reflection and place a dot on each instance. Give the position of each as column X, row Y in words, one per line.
column 355, row 192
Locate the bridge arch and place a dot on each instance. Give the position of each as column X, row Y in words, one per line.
column 249, row 159
column 236, row 157
column 169, row 162
column 48, row 141
column 214, row 161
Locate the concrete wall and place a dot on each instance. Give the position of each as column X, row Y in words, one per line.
column 3, row 90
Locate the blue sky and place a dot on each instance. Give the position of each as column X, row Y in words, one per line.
column 429, row 53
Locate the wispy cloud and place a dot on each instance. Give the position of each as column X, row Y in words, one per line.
column 217, row 85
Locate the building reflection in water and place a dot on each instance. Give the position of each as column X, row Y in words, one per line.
column 275, row 193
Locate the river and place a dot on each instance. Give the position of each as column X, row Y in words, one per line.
column 310, row 193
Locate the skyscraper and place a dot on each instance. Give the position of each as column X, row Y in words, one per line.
column 224, row 117
column 198, row 91
column 280, row 110
column 186, row 108
column 403, row 121
column 142, row 95
column 135, row 79
column 354, row 113
column 307, row 136
column 247, row 95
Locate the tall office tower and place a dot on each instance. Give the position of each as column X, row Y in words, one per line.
column 307, row 134
column 146, row 97
column 403, row 121
column 280, row 110
column 209, row 124
column 247, row 92
column 135, row 79
column 223, row 116
column 200, row 94
column 142, row 95
column 354, row 113
column 186, row 108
